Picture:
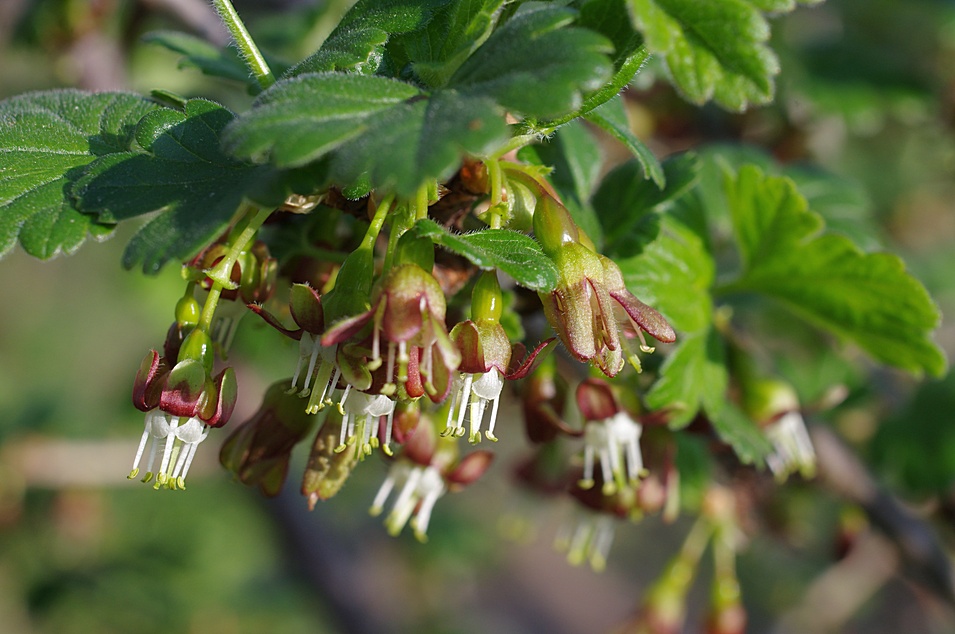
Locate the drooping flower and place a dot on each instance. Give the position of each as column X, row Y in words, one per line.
column 588, row 540
column 181, row 403
column 591, row 302
column 179, row 440
column 407, row 311
column 610, row 436
column 427, row 468
column 486, row 360
column 792, row 447
column 362, row 414
column 774, row 405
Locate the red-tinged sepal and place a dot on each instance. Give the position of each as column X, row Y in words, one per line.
column 225, row 391
column 346, row 328
column 521, row 365
column 644, row 317
column 147, row 388
column 595, row 400
column 183, row 388
column 468, row 341
column 470, row 468
column 274, row 321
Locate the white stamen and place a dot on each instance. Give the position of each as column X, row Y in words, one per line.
column 615, row 442
column 316, row 350
column 793, row 450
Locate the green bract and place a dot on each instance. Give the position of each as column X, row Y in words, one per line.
column 509, row 251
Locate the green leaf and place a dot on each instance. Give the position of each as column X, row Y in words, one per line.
column 301, row 119
column 627, row 204
column 575, row 156
column 694, row 376
column 713, row 50
column 356, row 118
column 512, row 252
column 536, row 65
column 612, row 117
column 611, row 19
column 179, row 171
column 868, row 299
column 357, row 44
column 674, row 274
column 204, row 56
column 457, row 29
column 742, row 434
column 46, row 140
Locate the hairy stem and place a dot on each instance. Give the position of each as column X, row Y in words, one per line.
column 244, row 42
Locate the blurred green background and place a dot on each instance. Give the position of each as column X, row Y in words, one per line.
column 867, row 91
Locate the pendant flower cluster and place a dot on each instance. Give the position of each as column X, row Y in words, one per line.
column 392, row 357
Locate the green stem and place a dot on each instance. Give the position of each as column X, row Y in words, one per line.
column 495, row 184
column 244, row 42
column 421, row 203
column 515, row 143
column 221, row 274
column 377, row 222
column 696, row 541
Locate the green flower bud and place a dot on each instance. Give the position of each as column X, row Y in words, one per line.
column 486, row 300
column 553, row 225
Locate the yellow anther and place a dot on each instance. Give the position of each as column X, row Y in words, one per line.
column 133, row 473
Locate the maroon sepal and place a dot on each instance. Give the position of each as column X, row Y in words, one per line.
column 226, row 390
column 420, row 447
column 649, row 319
column 346, row 328
column 470, row 468
column 521, row 366
column 147, row 388
column 273, row 321
column 468, row 341
column 595, row 400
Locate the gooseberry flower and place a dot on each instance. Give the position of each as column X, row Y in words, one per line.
column 792, row 447
column 486, row 356
column 774, row 405
column 427, row 469
column 179, row 440
column 590, row 296
column 408, row 310
column 362, row 415
column 610, row 436
column 588, row 540
column 181, row 403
